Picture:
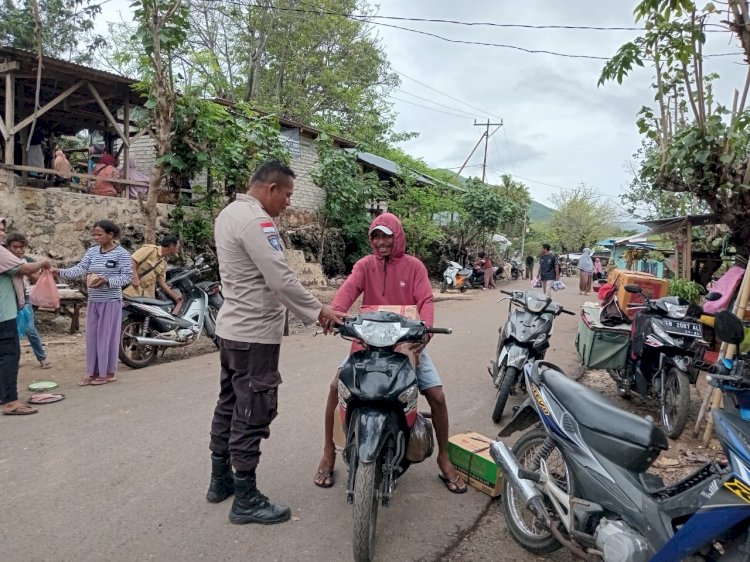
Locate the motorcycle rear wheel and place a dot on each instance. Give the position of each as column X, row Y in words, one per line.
column 133, row 355
column 365, row 517
column 674, row 412
column 508, row 379
column 526, row 529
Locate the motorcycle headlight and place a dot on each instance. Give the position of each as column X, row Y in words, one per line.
column 661, row 332
column 380, row 334
column 540, row 340
column 409, row 396
column 534, row 304
column 344, row 392
column 677, row 311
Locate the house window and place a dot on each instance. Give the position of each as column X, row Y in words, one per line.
column 290, row 139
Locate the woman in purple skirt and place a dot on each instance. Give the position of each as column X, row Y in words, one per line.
column 107, row 267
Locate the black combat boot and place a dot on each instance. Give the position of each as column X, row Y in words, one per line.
column 250, row 506
column 222, row 480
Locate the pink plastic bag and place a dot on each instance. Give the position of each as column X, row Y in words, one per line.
column 44, row 293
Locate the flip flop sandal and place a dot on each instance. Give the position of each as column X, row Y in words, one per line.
column 85, row 382
column 45, row 398
column 99, row 382
column 326, row 476
column 456, row 489
column 45, row 365
column 21, row 411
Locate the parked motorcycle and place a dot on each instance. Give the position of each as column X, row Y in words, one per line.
column 659, row 361
column 149, row 325
column 515, row 270
column 580, row 480
column 454, row 277
column 524, row 337
column 212, row 288
column 378, row 407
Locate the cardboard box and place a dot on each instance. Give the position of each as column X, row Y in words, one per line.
column 653, row 288
column 470, row 454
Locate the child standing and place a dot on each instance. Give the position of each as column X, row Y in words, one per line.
column 18, row 244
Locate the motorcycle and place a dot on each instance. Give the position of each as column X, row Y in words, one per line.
column 149, row 325
column 523, row 337
column 515, row 270
column 454, row 277
column 211, row 288
column 659, row 362
column 581, row 481
column 378, row 395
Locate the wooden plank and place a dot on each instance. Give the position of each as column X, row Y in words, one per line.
column 109, row 115
column 126, row 132
column 46, row 107
column 9, row 66
column 76, row 174
column 10, row 99
column 3, row 128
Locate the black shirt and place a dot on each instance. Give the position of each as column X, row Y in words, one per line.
column 548, row 266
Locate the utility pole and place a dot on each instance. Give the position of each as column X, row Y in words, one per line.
column 486, row 142
column 523, row 234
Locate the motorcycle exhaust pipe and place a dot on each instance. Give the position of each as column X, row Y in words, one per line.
column 156, row 342
column 502, row 456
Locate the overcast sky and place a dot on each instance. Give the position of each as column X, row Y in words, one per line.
column 559, row 127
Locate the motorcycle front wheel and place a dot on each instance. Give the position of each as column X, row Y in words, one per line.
column 134, row 355
column 676, row 402
column 444, row 287
column 366, row 499
column 526, row 529
column 508, row 377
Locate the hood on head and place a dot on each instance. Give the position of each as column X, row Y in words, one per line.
column 391, row 222
column 587, row 251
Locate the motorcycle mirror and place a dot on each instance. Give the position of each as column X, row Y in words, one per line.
column 713, row 296
column 633, row 289
column 729, row 328
column 198, row 261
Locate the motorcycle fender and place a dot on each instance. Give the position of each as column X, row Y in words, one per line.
column 370, row 434
column 525, row 417
column 517, row 357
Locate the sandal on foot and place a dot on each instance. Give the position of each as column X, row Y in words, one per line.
column 323, row 479
column 20, row 411
column 85, row 382
column 45, row 364
column 101, row 381
column 453, row 486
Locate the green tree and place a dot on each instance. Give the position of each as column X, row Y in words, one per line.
column 580, row 219
column 698, row 146
column 67, row 27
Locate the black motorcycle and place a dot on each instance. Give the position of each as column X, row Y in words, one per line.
column 378, row 395
column 579, row 479
column 150, row 324
column 665, row 338
column 524, row 337
column 515, row 270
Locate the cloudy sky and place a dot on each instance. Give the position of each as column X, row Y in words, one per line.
column 560, row 129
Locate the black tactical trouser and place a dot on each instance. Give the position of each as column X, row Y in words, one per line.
column 248, row 401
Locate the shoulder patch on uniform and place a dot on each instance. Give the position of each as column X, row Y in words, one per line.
column 268, row 227
column 275, row 242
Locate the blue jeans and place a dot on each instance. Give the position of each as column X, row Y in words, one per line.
column 34, row 338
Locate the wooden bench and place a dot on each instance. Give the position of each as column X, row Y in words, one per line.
column 71, row 301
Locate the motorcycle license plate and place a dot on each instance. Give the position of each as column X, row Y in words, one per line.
column 681, row 328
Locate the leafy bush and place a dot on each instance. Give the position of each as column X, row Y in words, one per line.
column 688, row 290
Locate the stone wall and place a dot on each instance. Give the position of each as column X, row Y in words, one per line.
column 58, row 223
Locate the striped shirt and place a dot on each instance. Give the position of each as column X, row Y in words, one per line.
column 114, row 265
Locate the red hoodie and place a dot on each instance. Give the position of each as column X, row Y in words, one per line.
column 399, row 279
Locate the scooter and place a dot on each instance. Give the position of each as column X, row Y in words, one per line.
column 660, row 361
column 378, row 395
column 515, row 270
column 580, row 480
column 524, row 337
column 454, row 277
column 148, row 324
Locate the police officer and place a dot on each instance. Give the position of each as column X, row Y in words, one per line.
column 258, row 287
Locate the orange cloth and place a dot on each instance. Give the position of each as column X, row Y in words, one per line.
column 102, row 186
column 62, row 164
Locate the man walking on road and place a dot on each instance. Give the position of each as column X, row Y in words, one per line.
column 529, row 266
column 258, row 287
column 549, row 268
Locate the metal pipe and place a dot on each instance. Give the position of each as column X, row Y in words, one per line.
column 157, row 342
column 502, row 456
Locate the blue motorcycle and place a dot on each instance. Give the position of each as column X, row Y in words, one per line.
column 580, row 480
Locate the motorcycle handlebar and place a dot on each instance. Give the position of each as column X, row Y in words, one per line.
column 439, row 330
column 503, row 291
column 568, row 311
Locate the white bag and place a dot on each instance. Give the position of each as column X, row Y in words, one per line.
column 558, row 286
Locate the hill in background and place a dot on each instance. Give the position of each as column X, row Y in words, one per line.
column 539, row 213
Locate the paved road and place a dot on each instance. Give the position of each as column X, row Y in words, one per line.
column 119, row 472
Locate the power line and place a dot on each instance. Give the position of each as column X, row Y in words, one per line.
column 436, row 103
column 446, row 95
column 428, row 107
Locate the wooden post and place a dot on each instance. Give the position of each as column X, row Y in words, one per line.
column 126, row 145
column 10, row 118
column 688, row 249
column 739, row 310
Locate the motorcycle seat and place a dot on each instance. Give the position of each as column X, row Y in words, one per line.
column 598, row 413
column 146, row 300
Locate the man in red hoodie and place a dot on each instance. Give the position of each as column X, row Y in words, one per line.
column 391, row 277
